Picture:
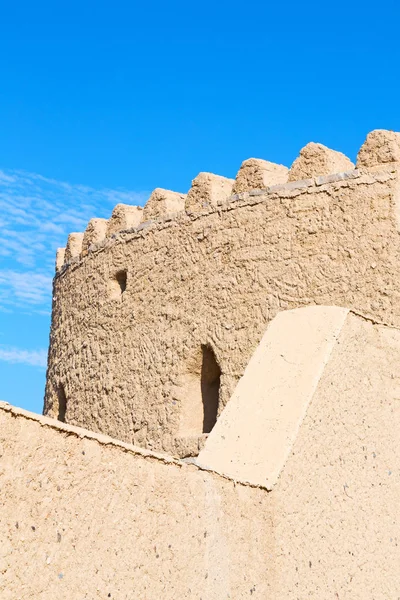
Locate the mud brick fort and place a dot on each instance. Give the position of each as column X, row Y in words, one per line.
column 222, row 408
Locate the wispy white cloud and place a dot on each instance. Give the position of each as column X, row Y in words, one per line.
column 37, row 214
column 25, row 287
column 6, row 179
column 35, row 358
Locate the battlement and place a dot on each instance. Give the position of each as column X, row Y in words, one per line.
column 316, row 165
column 70, row 256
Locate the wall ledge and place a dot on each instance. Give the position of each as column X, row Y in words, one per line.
column 105, row 440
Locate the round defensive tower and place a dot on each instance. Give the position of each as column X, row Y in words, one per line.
column 157, row 311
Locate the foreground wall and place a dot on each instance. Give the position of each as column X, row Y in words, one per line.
column 316, row 416
column 83, row 517
column 336, row 504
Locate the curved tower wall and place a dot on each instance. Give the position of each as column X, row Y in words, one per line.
column 154, row 324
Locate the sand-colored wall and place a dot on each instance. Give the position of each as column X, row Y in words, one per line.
column 85, row 517
column 213, row 278
column 257, row 428
column 335, row 505
column 319, row 420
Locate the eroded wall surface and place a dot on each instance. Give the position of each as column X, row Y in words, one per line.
column 214, row 278
column 85, row 517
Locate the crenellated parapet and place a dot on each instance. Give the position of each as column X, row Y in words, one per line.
column 157, row 310
column 95, row 232
column 381, row 150
column 124, row 216
column 207, row 191
column 162, row 203
column 60, row 258
column 74, row 246
column 316, row 160
column 258, row 174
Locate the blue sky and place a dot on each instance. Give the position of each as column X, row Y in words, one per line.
column 101, row 102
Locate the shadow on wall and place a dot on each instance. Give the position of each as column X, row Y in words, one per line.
column 210, row 380
column 200, row 394
column 62, row 403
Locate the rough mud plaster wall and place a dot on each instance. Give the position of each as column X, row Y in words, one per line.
column 216, row 279
column 80, row 519
column 336, row 504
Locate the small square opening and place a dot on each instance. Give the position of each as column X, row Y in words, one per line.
column 117, row 284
